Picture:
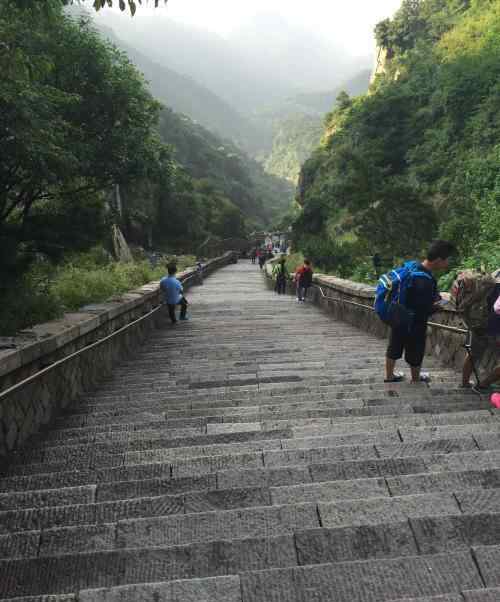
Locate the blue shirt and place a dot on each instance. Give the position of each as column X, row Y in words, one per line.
column 171, row 289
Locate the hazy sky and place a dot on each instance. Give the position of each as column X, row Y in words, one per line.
column 349, row 22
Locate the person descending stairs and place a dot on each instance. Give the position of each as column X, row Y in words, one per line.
column 246, row 458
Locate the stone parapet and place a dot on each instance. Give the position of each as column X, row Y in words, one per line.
column 45, row 368
column 352, row 302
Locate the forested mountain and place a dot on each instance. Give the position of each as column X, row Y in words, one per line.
column 297, row 126
column 294, row 140
column 418, row 156
column 226, row 168
column 183, row 94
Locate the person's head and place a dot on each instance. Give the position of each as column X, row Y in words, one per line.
column 171, row 269
column 307, row 263
column 439, row 254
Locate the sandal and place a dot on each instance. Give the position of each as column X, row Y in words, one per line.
column 397, row 378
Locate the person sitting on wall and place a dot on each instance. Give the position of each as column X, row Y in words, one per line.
column 172, row 291
column 485, row 338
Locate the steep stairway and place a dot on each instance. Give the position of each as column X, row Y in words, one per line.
column 253, row 454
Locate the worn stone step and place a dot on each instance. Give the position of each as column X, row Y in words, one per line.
column 117, row 455
column 55, row 598
column 264, row 521
column 192, row 501
column 482, row 595
column 368, row 580
column 321, row 547
column 332, row 411
column 141, row 441
column 162, row 436
column 487, row 558
column 443, row 598
column 157, row 477
column 201, row 423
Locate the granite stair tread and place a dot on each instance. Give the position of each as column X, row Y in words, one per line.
column 244, row 458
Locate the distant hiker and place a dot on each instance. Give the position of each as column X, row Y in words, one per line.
column 262, row 258
column 303, row 280
column 253, row 255
column 477, row 296
column 172, row 291
column 199, row 271
column 405, row 299
column 280, row 273
column 377, row 265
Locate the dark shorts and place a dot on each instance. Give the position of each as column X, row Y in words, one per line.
column 412, row 343
column 482, row 343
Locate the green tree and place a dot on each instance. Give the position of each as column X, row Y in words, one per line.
column 75, row 118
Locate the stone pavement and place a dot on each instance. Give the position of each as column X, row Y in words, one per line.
column 254, row 455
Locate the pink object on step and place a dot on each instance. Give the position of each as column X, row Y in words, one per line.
column 496, row 307
column 495, row 400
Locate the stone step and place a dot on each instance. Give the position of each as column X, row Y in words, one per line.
column 470, row 471
column 482, row 595
column 144, row 419
column 340, row 502
column 249, row 406
column 148, row 439
column 116, row 454
column 352, row 581
column 136, row 441
column 237, row 457
column 368, row 580
column 443, row 598
column 418, row 457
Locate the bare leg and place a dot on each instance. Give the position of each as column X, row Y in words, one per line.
column 467, row 371
column 415, row 373
column 390, row 364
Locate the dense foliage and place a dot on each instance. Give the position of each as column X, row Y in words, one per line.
column 76, row 120
column 294, row 140
column 419, row 155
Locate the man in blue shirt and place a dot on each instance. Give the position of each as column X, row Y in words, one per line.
column 172, row 291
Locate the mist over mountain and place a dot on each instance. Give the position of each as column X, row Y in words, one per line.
column 264, row 61
column 266, row 86
column 184, row 95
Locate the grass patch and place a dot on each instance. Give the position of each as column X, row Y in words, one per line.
column 47, row 291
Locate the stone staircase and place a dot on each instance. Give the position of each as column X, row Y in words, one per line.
column 254, row 454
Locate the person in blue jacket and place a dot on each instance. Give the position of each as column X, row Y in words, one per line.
column 173, row 294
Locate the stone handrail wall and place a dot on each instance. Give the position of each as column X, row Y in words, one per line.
column 447, row 345
column 50, row 365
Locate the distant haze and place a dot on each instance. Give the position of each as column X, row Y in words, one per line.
column 349, row 23
column 260, row 72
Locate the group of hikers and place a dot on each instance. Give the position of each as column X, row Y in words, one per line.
column 405, row 300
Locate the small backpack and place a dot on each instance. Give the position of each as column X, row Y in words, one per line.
column 472, row 294
column 391, row 294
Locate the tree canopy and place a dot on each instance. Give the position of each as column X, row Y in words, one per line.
column 131, row 5
column 418, row 156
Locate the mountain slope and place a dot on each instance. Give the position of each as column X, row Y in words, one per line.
column 185, row 95
column 205, row 156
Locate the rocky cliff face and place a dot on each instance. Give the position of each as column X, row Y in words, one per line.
column 382, row 58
